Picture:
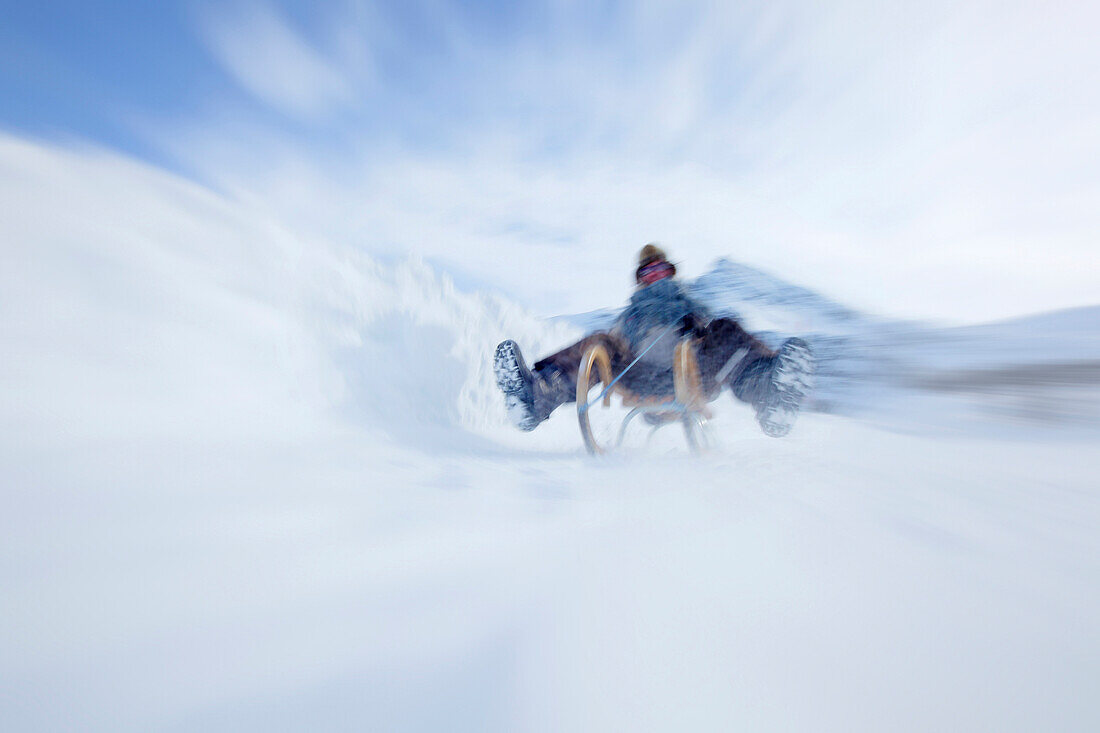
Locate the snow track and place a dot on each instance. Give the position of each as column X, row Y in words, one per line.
column 255, row 480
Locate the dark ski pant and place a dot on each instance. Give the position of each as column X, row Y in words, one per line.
column 727, row 354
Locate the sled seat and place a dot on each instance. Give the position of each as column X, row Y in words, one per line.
column 687, row 403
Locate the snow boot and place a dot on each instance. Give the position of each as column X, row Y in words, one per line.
column 529, row 396
column 791, row 378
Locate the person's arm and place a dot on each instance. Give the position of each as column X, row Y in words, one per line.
column 617, row 327
column 698, row 316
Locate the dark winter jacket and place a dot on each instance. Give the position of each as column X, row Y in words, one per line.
column 652, row 310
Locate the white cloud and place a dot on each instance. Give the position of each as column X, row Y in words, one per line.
column 275, row 63
column 931, row 160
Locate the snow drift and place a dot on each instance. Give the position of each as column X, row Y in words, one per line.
column 140, row 304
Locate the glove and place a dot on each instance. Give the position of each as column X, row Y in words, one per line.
column 692, row 325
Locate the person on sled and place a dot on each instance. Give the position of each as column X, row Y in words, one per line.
column 660, row 313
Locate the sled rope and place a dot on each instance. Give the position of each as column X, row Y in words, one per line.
column 611, row 384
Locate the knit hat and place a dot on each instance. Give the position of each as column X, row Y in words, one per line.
column 653, row 258
column 650, row 253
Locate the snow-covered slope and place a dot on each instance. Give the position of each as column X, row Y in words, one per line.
column 257, row 480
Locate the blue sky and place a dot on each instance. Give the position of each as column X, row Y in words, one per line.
column 932, row 159
column 85, row 67
column 96, row 68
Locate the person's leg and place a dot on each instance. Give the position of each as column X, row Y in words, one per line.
column 773, row 382
column 566, row 362
column 531, row 395
column 728, row 354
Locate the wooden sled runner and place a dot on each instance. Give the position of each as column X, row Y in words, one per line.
column 687, row 405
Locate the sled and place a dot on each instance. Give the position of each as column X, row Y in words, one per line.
column 687, row 404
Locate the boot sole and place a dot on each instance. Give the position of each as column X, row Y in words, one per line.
column 794, row 378
column 508, row 367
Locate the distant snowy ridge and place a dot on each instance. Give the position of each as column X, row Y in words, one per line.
column 760, row 300
column 875, row 367
column 733, row 288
